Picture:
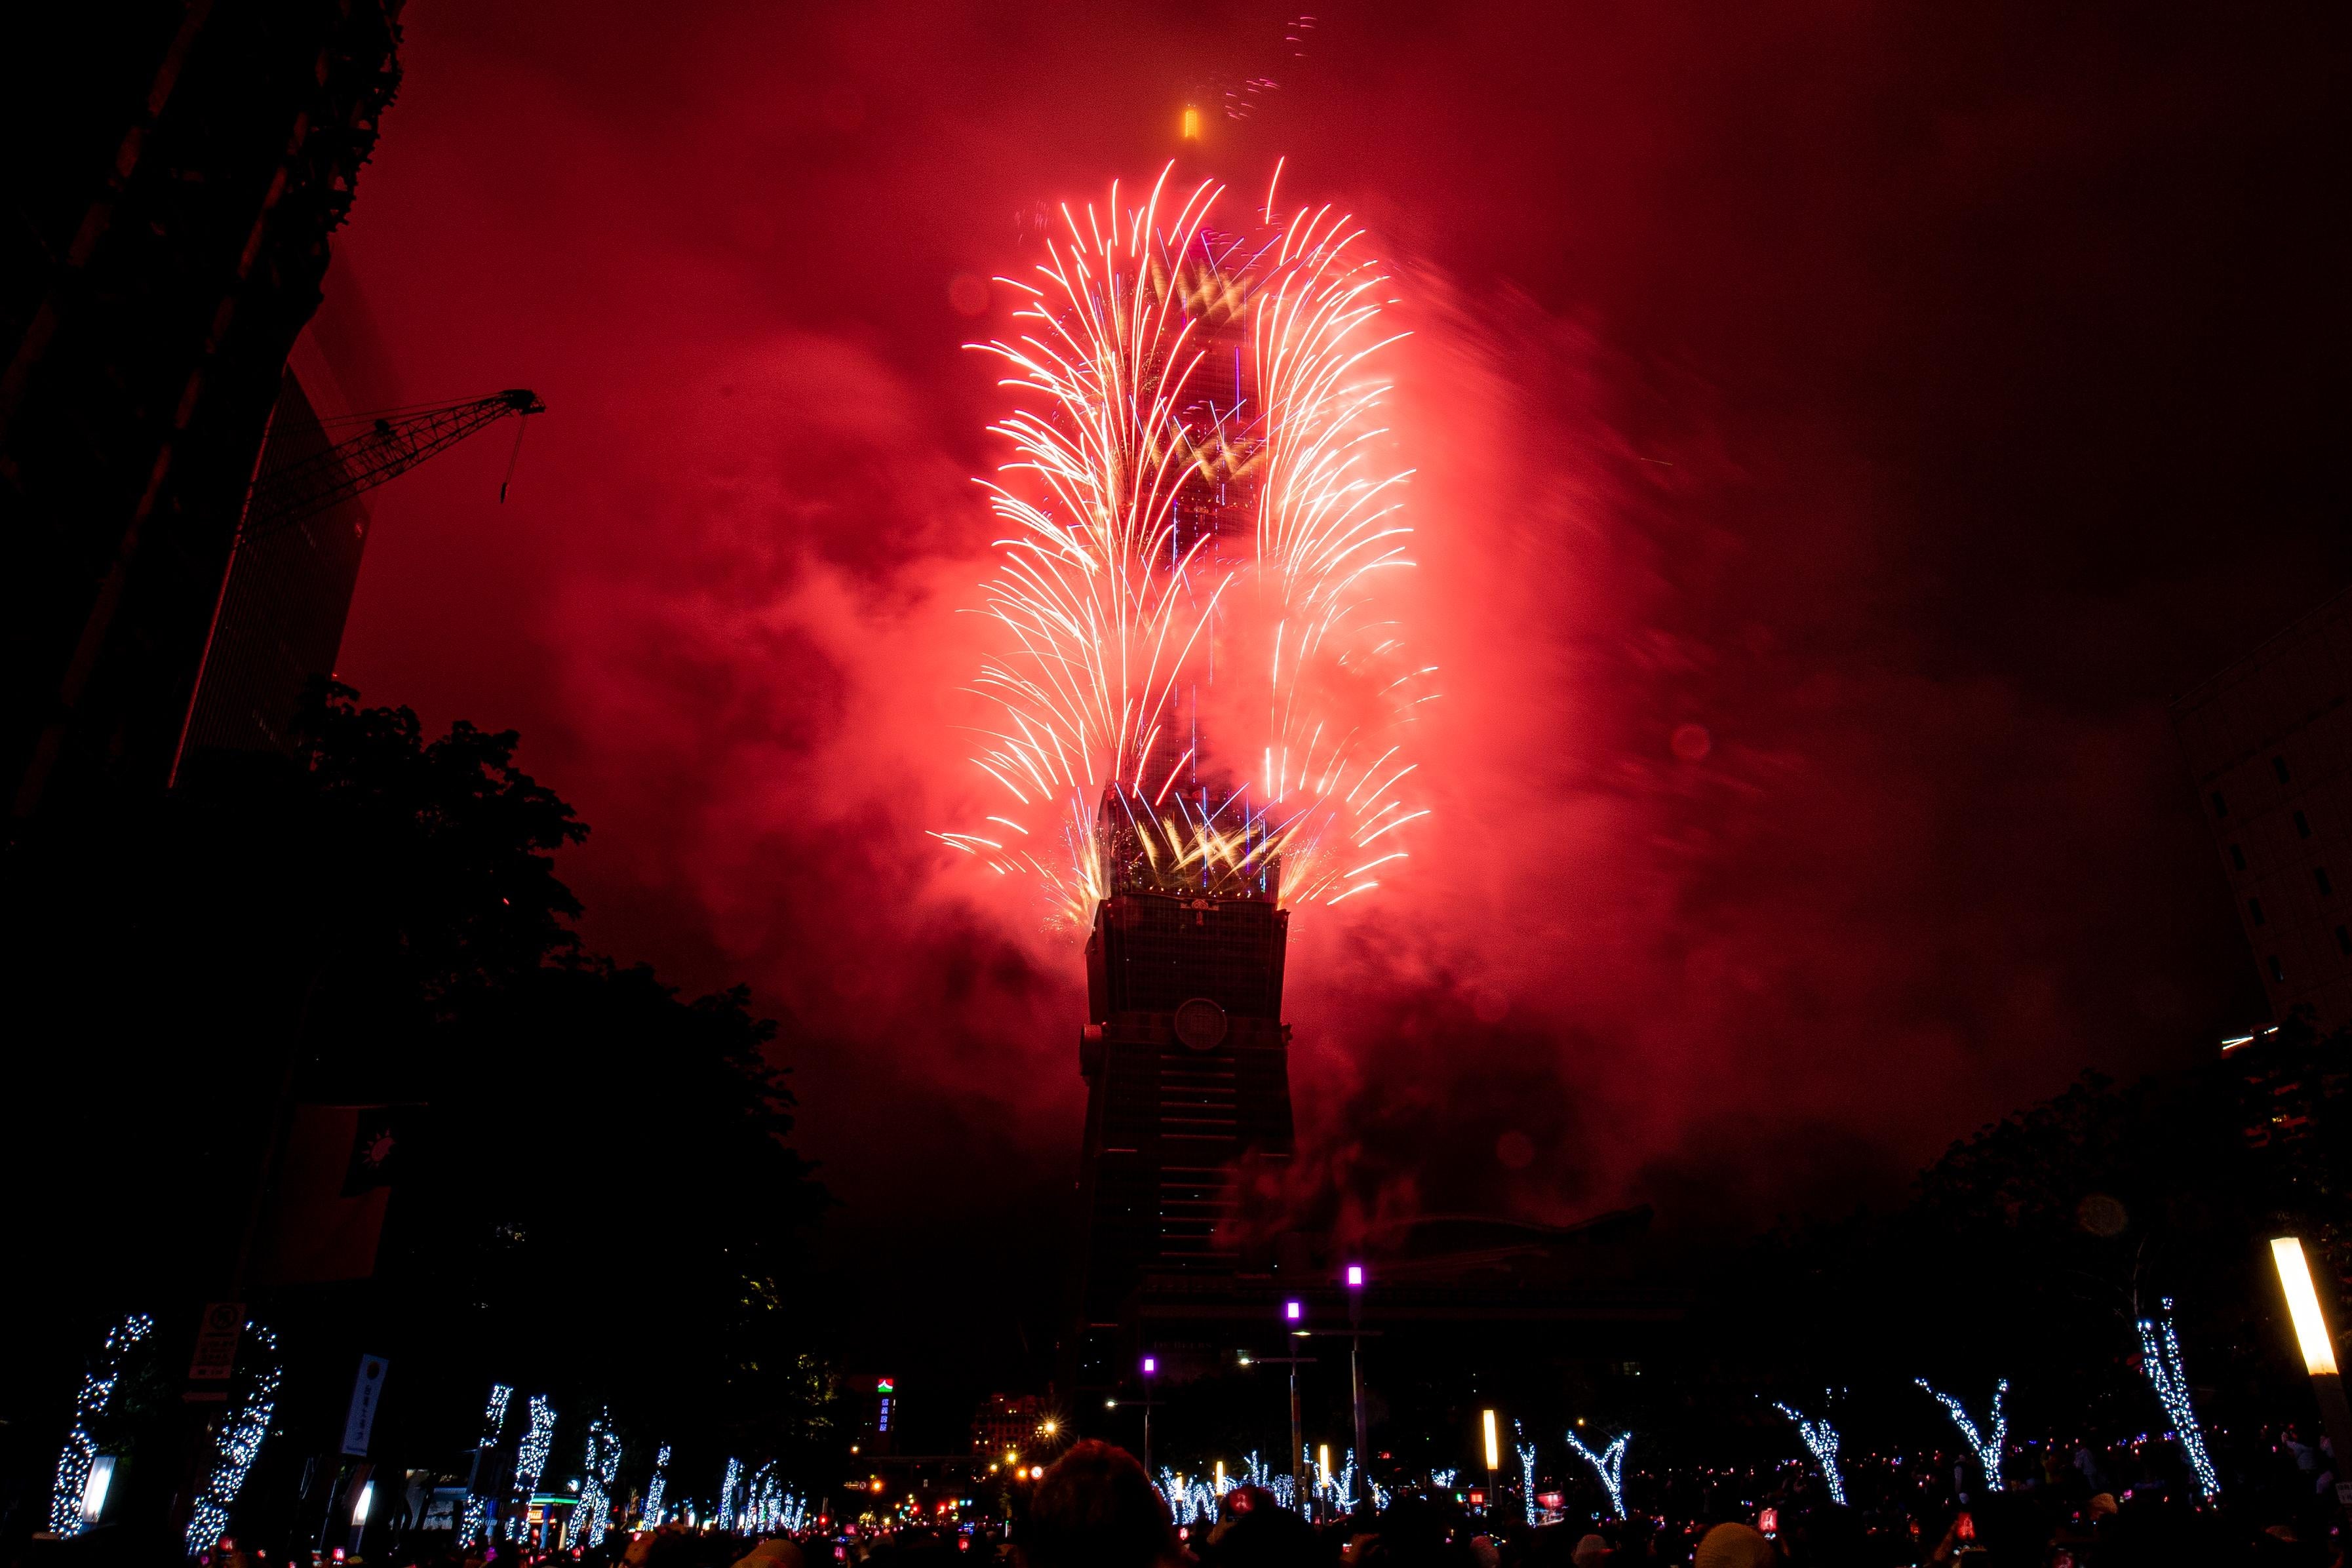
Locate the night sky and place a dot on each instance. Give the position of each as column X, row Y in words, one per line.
column 1839, row 430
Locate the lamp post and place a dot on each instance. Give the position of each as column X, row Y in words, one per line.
column 1150, row 1370
column 1293, row 1318
column 2318, row 1346
column 1356, row 1362
column 1493, row 1454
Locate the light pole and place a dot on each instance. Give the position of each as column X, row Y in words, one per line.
column 1150, row 1370
column 2318, row 1345
column 1293, row 1318
column 1493, row 1454
column 1356, row 1362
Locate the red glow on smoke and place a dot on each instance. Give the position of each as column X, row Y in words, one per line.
column 1804, row 577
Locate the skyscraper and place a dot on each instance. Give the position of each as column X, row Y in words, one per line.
column 2269, row 743
column 1186, row 1060
column 1184, row 1053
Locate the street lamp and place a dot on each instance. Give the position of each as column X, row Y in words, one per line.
column 1150, row 1370
column 1356, row 1362
column 1494, row 1453
column 1293, row 1318
column 2318, row 1346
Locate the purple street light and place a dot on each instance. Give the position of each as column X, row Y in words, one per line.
column 1355, row 1277
column 1295, row 1311
column 1149, row 1366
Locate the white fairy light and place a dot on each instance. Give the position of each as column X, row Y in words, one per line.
column 764, row 1501
column 1990, row 1444
column 1609, row 1465
column 2160, row 1355
column 530, row 1459
column 1443, row 1480
column 1189, row 1500
column 494, row 1426
column 654, row 1489
column 604, row 1465
column 1821, row 1437
column 725, row 1514
column 66, row 1514
column 1527, row 1453
column 238, row 1444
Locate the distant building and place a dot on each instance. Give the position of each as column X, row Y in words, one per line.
column 172, row 174
column 874, row 1399
column 2269, row 743
column 1008, row 1424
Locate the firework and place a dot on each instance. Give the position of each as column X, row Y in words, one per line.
column 1194, row 687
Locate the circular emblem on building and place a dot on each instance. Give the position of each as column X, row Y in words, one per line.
column 1200, row 1024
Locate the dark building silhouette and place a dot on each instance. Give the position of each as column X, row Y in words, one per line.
column 286, row 591
column 2269, row 743
column 172, row 174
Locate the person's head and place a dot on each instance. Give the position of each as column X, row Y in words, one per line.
column 1591, row 1552
column 1735, row 1546
column 1095, row 1508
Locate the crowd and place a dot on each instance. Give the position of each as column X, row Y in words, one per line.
column 2061, row 1506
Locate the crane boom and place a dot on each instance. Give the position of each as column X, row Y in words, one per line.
column 387, row 449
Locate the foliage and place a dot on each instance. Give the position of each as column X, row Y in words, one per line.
column 597, row 1196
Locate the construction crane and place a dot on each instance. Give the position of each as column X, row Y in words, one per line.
column 389, row 447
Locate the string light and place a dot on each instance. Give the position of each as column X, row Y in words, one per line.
column 1821, row 1437
column 1188, row 1501
column 1443, row 1480
column 725, row 1514
column 2160, row 1355
column 238, row 1444
column 604, row 1464
column 1609, row 1465
column 530, row 1459
column 1527, row 1453
column 75, row 1461
column 653, row 1514
column 766, row 1500
column 494, row 1426
column 1992, row 1443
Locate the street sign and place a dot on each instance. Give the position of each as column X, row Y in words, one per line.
column 360, row 1420
column 217, row 1339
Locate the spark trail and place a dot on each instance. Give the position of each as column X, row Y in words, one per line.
column 1197, row 685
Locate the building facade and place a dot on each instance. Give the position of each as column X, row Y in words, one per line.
column 1186, row 1060
column 173, row 172
column 2269, row 744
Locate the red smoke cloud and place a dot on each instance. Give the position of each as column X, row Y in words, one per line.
column 1825, row 423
